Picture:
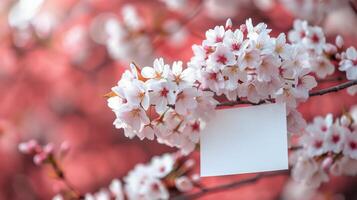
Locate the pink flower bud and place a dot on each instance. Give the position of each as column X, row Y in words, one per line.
column 339, row 41
column 345, row 121
column 30, row 147
column 195, row 177
column 64, row 148
column 48, row 149
column 330, row 49
column 183, row 184
column 39, row 158
column 327, row 163
column 229, row 23
column 189, row 163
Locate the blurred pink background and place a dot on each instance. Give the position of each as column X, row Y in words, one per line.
column 53, row 75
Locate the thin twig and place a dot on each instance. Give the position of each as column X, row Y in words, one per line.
column 353, row 6
column 229, row 186
column 61, row 176
column 334, row 88
column 314, row 93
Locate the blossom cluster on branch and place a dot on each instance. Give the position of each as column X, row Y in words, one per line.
column 164, row 176
column 328, row 147
column 172, row 103
column 162, row 102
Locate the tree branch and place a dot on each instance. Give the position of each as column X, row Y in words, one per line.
column 334, row 88
column 228, row 186
column 314, row 93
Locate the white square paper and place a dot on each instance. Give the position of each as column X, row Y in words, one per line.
column 245, row 140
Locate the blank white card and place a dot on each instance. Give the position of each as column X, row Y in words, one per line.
column 245, row 140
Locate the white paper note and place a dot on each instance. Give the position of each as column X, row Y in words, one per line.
column 245, row 140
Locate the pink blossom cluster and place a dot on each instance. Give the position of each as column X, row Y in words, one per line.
column 348, row 64
column 125, row 38
column 155, row 180
column 248, row 63
column 324, row 56
column 41, row 154
column 327, row 147
column 161, row 101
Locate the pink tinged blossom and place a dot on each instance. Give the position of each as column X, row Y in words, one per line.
column 315, row 38
column 263, row 43
column 229, row 24
column 182, row 78
column 213, row 80
column 321, row 124
column 183, row 184
column 162, row 165
column 335, row 138
column 322, row 67
column 339, row 41
column 350, row 148
column 159, row 71
column 205, row 105
column 147, row 132
column 220, row 58
column 192, row 130
column 134, row 116
column 249, row 90
column 352, row 90
column 30, row 147
column 175, row 5
column 231, row 76
column 296, row 123
column 40, row 158
column 162, row 95
column 185, row 101
column 116, row 189
column 308, row 172
column 137, row 94
column 349, row 63
column 326, row 164
column 268, row 68
column 314, row 143
column 286, row 95
column 249, row 59
column 215, row 36
column 280, row 47
column 233, row 40
column 299, row 32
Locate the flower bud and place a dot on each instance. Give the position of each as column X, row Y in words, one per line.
column 327, row 163
column 229, row 23
column 339, row 41
column 183, row 184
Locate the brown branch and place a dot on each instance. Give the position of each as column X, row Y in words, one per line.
column 353, row 6
column 314, row 93
column 61, row 176
column 229, row 186
column 334, row 88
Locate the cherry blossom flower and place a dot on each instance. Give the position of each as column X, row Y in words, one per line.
column 162, row 95
column 136, row 94
column 349, row 63
column 215, row 36
column 221, row 57
column 185, row 100
column 132, row 116
column 327, row 148
column 159, row 71
column 322, row 67
column 233, row 40
column 350, row 148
